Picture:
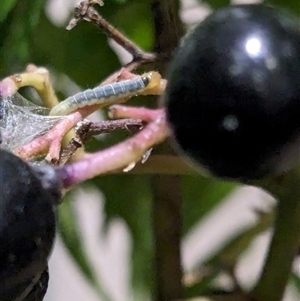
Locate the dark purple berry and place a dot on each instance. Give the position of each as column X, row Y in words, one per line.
column 27, row 227
column 233, row 96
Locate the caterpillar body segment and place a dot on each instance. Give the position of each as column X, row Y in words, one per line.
column 104, row 95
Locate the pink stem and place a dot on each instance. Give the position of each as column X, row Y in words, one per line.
column 119, row 111
column 8, row 87
column 116, row 157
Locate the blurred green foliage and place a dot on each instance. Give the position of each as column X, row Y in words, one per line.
column 6, row 7
column 291, row 5
column 216, row 3
column 28, row 35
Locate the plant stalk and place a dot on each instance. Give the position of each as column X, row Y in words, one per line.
column 286, row 237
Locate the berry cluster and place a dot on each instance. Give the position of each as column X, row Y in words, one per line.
column 233, row 105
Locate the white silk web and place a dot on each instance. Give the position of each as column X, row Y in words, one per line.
column 21, row 121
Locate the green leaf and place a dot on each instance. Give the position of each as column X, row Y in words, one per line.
column 216, row 3
column 16, row 35
column 82, row 53
column 72, row 239
column 292, row 5
column 129, row 198
column 5, row 7
column 137, row 26
column 229, row 254
column 296, row 282
column 121, row 1
column 200, row 195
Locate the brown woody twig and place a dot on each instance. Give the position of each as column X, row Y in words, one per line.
column 86, row 11
column 88, row 129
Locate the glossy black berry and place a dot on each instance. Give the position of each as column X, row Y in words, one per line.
column 27, row 228
column 40, row 288
column 233, row 97
column 33, row 289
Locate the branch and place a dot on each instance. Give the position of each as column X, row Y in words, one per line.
column 37, row 77
column 116, row 157
column 286, row 237
column 167, row 213
column 51, row 141
column 86, row 11
column 89, row 129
